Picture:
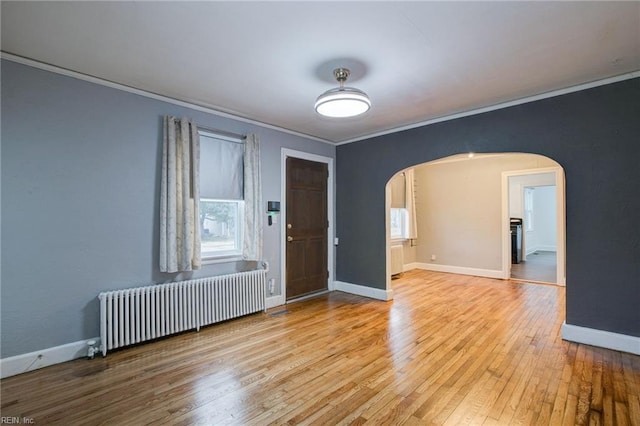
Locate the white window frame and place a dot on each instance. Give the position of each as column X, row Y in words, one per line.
column 528, row 208
column 209, row 257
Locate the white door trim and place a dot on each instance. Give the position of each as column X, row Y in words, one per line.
column 560, row 218
column 387, row 236
column 286, row 153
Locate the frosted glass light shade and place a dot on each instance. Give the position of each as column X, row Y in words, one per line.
column 343, row 102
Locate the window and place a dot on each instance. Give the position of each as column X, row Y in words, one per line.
column 220, row 227
column 398, row 213
column 221, row 196
column 528, row 208
column 399, row 222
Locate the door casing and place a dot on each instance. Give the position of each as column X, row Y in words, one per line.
column 560, row 220
column 286, row 153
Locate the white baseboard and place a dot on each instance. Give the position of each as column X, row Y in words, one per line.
column 463, row 270
column 601, row 338
column 34, row 360
column 409, row 266
column 273, row 301
column 361, row 290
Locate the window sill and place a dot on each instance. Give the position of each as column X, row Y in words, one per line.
column 398, row 240
column 221, row 259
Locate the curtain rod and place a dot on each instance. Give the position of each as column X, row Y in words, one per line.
column 231, row 137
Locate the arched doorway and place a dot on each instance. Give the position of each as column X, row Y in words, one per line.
column 462, row 206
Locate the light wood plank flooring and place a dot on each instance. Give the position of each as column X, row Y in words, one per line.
column 448, row 349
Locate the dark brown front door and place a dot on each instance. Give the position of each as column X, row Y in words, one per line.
column 306, row 226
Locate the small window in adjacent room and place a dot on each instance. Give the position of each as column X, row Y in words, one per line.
column 221, row 196
column 399, row 221
column 528, row 208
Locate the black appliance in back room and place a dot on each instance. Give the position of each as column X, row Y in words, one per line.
column 516, row 240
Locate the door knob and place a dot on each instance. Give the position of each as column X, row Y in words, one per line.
column 289, row 226
column 289, row 238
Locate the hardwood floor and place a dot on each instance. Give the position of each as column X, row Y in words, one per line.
column 448, row 349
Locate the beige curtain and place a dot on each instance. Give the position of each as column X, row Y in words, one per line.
column 180, row 197
column 410, row 203
column 398, row 192
column 252, row 237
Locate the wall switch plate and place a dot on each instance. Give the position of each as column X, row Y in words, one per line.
column 433, row 257
column 336, row 241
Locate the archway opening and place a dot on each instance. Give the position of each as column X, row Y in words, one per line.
column 463, row 206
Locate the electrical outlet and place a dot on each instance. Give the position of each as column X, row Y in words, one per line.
column 433, row 257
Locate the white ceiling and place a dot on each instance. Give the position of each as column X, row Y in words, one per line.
column 268, row 61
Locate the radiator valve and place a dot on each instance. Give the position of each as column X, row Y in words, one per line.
column 92, row 351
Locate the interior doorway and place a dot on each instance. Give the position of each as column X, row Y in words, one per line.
column 534, row 242
column 537, row 198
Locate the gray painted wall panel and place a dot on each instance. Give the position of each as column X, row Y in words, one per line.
column 80, row 197
column 594, row 134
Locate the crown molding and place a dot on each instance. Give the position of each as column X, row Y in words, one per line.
column 85, row 77
column 502, row 105
column 80, row 76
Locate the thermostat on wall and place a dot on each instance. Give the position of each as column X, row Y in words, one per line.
column 273, row 206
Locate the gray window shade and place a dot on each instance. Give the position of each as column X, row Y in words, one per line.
column 397, row 192
column 221, row 168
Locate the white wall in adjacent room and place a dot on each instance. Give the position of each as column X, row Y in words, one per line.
column 544, row 213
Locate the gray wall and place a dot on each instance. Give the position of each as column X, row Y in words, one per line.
column 593, row 134
column 80, row 197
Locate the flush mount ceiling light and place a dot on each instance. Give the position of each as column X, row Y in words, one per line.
column 342, row 101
